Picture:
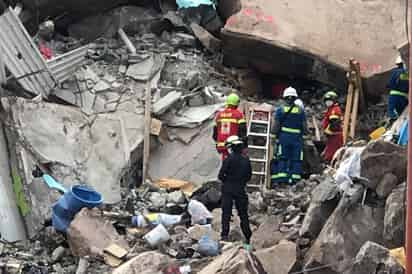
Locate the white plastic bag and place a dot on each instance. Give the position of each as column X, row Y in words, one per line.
column 349, row 168
column 198, row 212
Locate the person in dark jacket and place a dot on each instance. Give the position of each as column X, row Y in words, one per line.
column 235, row 172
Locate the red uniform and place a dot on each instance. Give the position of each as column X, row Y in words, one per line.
column 227, row 123
column 331, row 124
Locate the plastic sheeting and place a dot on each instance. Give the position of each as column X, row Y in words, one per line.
column 193, row 3
column 349, row 168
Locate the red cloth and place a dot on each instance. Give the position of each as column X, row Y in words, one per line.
column 45, row 52
column 227, row 122
column 334, row 136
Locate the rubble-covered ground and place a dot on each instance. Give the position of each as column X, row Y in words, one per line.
column 90, row 130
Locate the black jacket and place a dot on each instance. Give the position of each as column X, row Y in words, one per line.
column 235, row 172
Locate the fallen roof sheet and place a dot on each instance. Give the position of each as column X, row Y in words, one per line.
column 21, row 56
column 63, row 66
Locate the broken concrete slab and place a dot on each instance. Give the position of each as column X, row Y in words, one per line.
column 349, row 226
column 192, row 117
column 162, row 105
column 89, row 234
column 325, row 198
column 146, row 69
column 80, row 150
column 269, row 36
column 374, row 258
column 379, row 158
column 268, row 234
column 394, row 221
column 195, row 162
column 278, row 259
column 146, row 263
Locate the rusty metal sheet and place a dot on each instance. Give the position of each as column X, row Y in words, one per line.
column 21, row 56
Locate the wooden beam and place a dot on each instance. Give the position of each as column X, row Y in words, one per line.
column 348, row 109
column 358, row 80
column 147, row 129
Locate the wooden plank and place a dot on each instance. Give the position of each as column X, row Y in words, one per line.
column 354, row 115
column 155, row 127
column 147, row 126
column 358, row 80
column 348, row 110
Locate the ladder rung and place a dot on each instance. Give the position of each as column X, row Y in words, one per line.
column 259, row 122
column 257, row 160
column 258, row 173
column 258, row 134
column 257, row 147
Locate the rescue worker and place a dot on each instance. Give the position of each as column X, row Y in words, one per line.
column 332, row 125
column 235, row 172
column 228, row 122
column 288, row 127
column 398, row 86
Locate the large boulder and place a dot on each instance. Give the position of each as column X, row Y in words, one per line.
column 374, row 258
column 349, row 226
column 380, row 158
column 278, row 259
column 268, row 36
column 394, row 222
column 89, row 234
column 235, row 261
column 325, row 198
column 268, row 234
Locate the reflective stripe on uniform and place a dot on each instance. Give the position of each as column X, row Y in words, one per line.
column 296, row 176
column 291, row 130
column 403, row 77
column 294, row 110
column 220, row 144
column 398, row 93
column 280, row 175
column 279, row 149
column 334, row 117
column 301, row 155
column 227, row 120
column 241, row 121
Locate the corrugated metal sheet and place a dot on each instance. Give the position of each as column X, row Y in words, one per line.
column 63, row 66
column 21, row 56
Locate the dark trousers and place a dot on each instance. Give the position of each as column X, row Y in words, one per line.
column 241, row 203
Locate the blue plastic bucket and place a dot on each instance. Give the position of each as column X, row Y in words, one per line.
column 64, row 210
column 82, row 196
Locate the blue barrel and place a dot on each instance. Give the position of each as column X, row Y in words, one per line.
column 64, row 210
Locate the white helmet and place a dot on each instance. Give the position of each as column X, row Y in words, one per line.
column 290, row 92
column 399, row 60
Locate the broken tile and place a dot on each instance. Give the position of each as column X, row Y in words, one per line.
column 116, row 250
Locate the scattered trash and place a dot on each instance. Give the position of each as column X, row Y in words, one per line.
column 208, row 247
column 199, row 213
column 157, row 236
column 156, row 219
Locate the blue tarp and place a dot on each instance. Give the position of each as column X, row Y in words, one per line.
column 403, row 134
column 193, row 3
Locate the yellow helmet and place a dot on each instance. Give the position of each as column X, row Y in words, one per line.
column 232, row 100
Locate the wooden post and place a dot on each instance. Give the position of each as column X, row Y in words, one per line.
column 358, row 86
column 348, row 108
column 147, row 128
column 317, row 131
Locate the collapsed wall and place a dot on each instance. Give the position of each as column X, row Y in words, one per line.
column 313, row 40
